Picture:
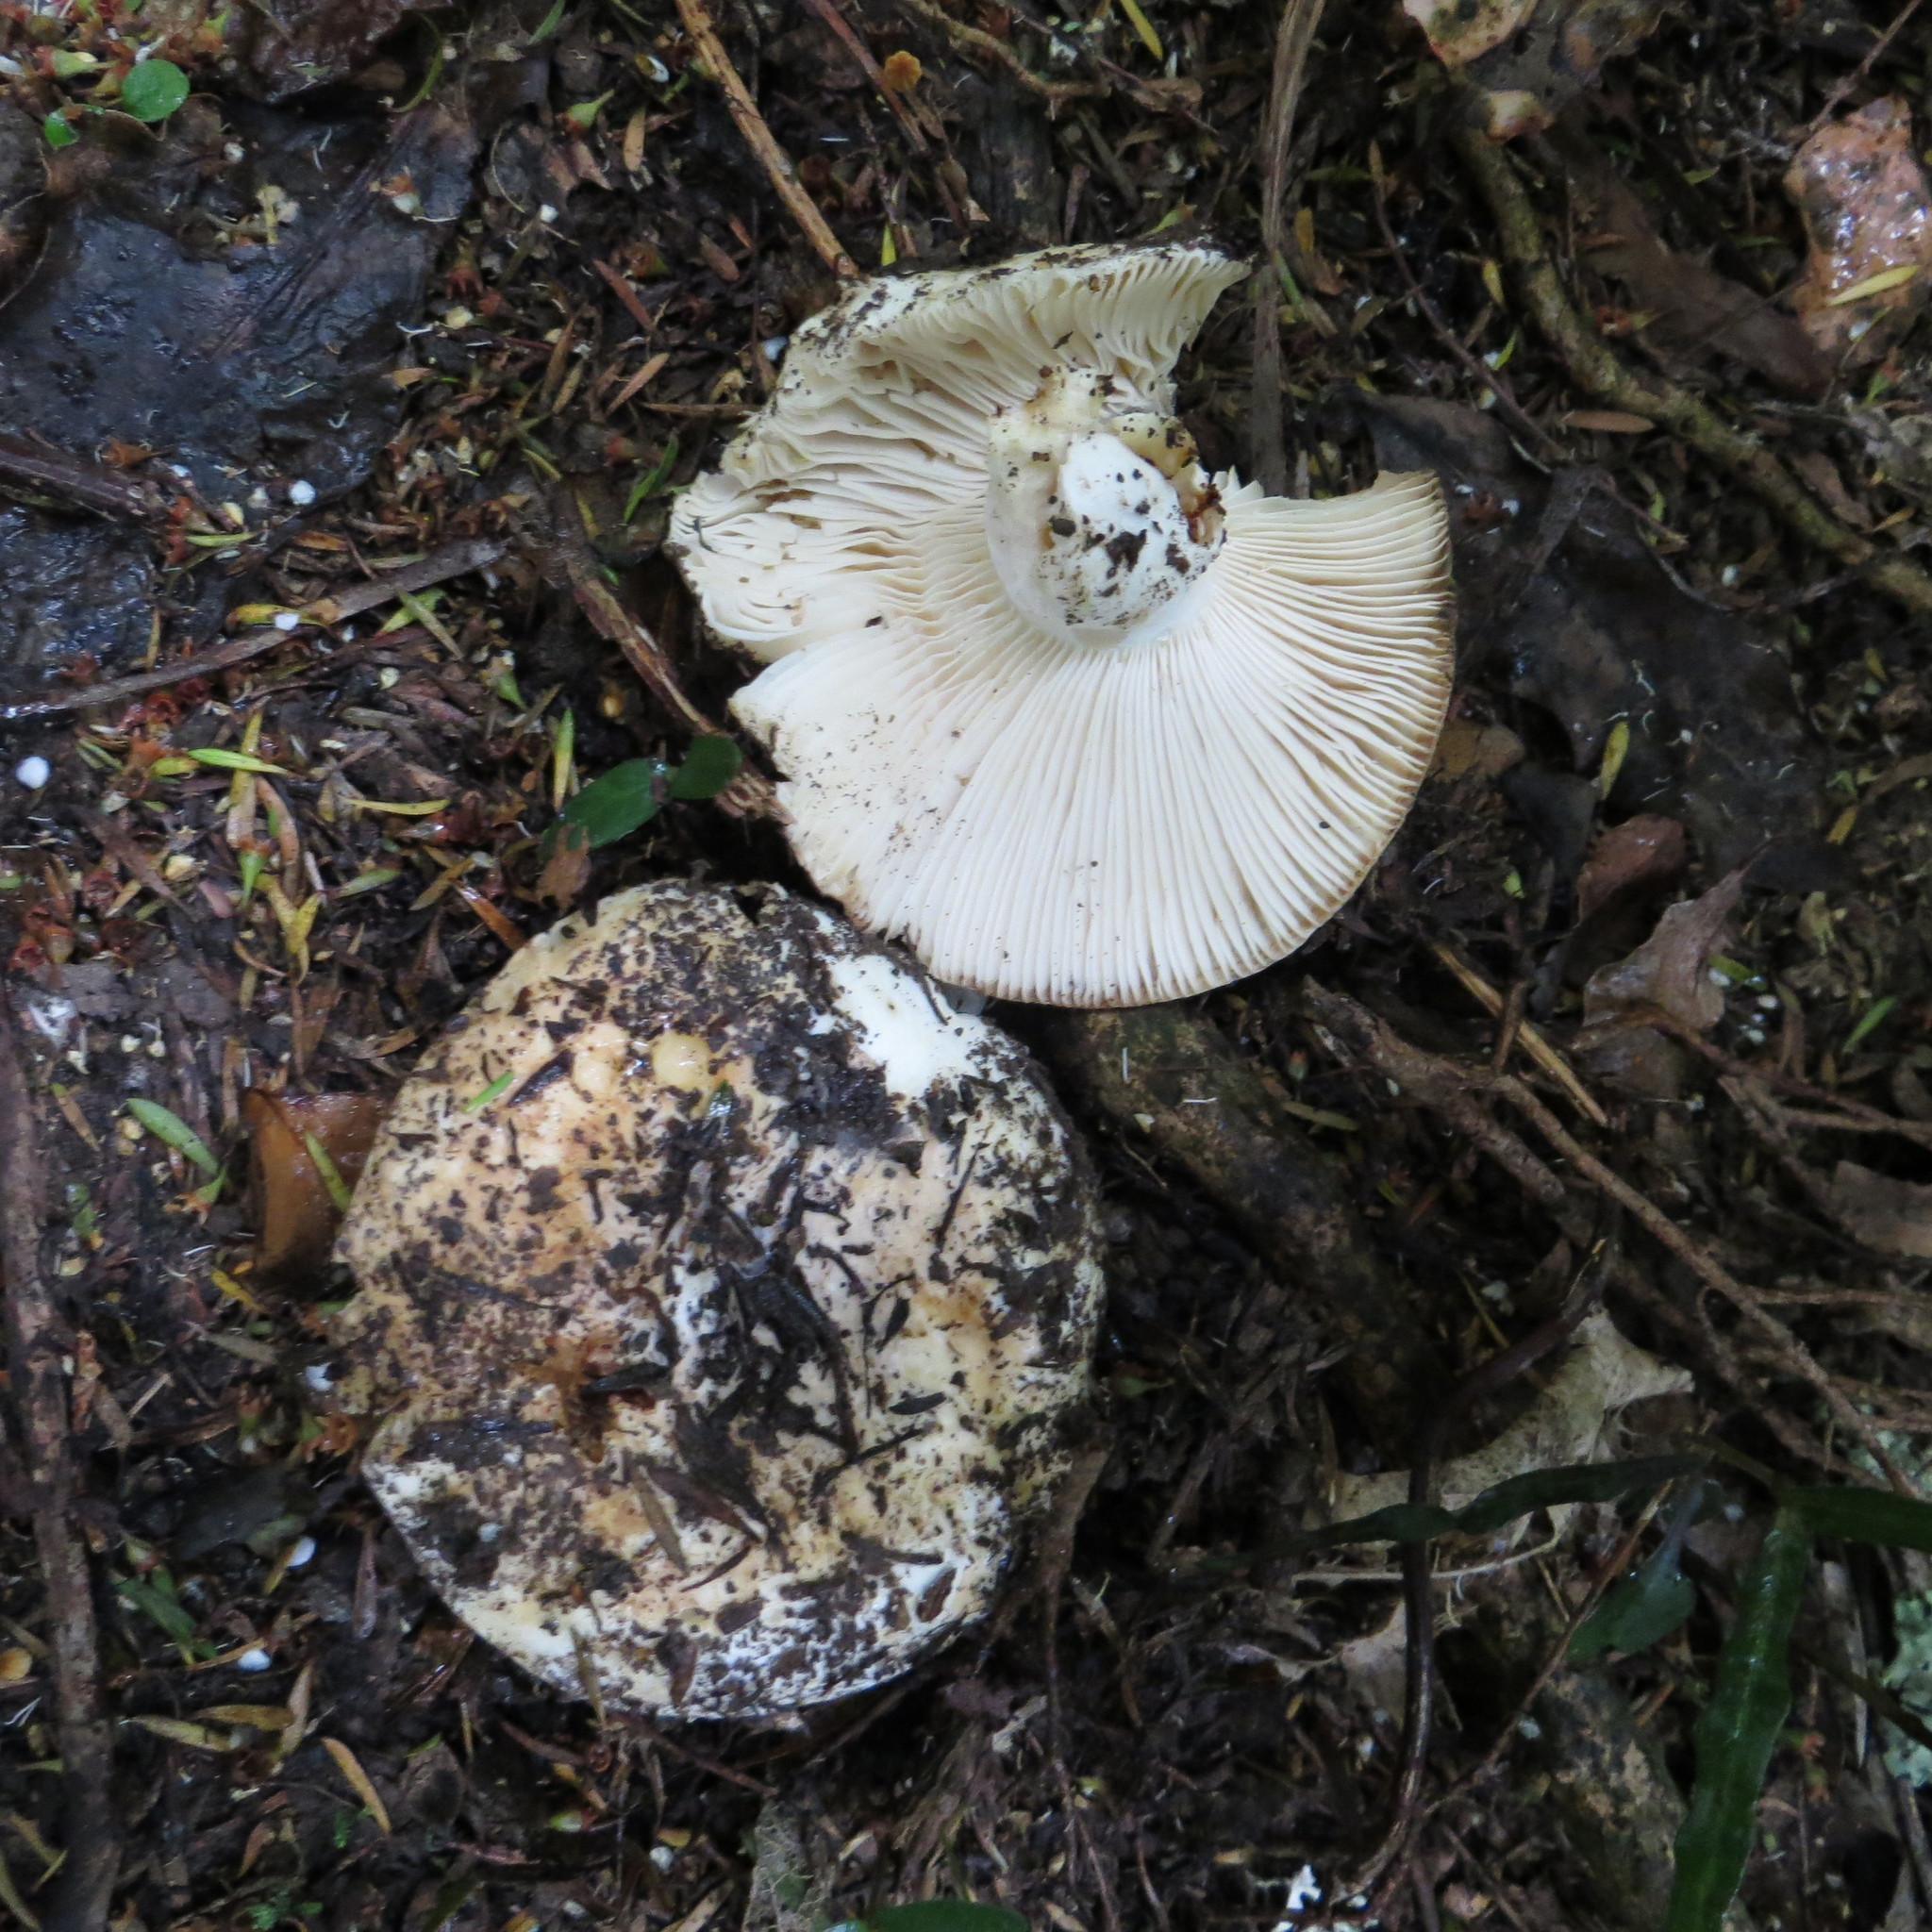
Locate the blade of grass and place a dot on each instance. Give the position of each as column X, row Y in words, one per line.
column 1739, row 1728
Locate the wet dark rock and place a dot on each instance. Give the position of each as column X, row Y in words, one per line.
column 70, row 589
column 161, row 314
column 256, row 356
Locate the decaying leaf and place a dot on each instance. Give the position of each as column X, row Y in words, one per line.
column 1643, row 851
column 1672, row 968
column 1892, row 1216
column 295, row 1213
column 1867, row 204
column 1686, row 311
column 1570, row 1421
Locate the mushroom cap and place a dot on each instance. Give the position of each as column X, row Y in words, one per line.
column 720, row 1351
column 1067, row 813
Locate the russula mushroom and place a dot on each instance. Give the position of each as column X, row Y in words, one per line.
column 1080, row 723
column 723, row 1298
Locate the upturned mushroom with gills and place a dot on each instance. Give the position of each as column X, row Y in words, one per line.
column 724, row 1305
column 1079, row 722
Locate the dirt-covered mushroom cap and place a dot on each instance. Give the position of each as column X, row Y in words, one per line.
column 722, row 1301
column 1080, row 722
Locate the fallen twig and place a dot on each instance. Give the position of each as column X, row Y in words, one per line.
column 759, row 137
column 452, row 560
column 652, row 1734
column 38, row 1346
column 1848, row 1115
column 1532, row 1042
column 84, row 697
column 1873, row 54
column 1452, row 1092
column 749, row 794
column 1494, row 380
column 827, row 11
column 1595, row 367
column 969, row 39
column 1269, row 448
column 98, row 486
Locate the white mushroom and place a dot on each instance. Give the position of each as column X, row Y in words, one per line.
column 1081, row 723
column 724, row 1297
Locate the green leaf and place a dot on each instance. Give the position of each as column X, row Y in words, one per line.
column 549, row 24
column 1583, row 1482
column 617, row 803
column 495, row 1088
column 235, row 762
column 153, row 90
column 708, row 766
column 155, row 1596
column 1540, row 1489
column 1864, row 1516
column 179, row 1135
column 1873, row 1017
column 652, row 480
column 58, row 131
column 944, row 1915
column 331, row 1175
column 1639, row 1611
column 1739, row 1728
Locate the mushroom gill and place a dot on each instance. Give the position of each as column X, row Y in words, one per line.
column 1080, row 722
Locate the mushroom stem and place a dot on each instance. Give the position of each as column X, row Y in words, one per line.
column 759, row 137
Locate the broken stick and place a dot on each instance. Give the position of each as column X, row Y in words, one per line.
column 759, row 137
column 38, row 1344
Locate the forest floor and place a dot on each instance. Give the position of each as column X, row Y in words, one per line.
column 402, row 330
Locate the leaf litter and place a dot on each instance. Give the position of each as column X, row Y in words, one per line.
column 461, row 303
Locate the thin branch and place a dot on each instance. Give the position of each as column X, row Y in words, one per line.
column 1269, row 450
column 1451, row 1090
column 759, row 137
column 827, row 11
column 1789, row 1353
column 749, row 794
column 452, row 560
column 38, row 1344
column 1874, row 53
column 98, row 486
column 84, row 697
column 1494, row 380
column 969, row 39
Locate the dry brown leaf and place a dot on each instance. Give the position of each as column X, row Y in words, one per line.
column 1688, row 312
column 1609, row 422
column 1644, row 851
column 295, row 1213
column 1894, row 1217
column 567, row 870
column 346, row 1763
column 1530, row 57
column 1672, row 968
